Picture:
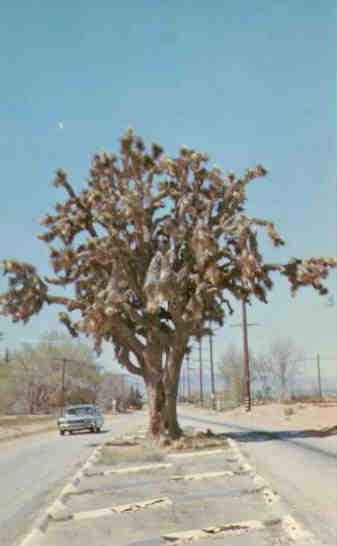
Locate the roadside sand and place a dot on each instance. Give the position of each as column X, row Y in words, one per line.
column 299, row 416
column 10, row 429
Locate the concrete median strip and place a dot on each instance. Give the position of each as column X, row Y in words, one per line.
column 203, row 475
column 64, row 508
column 93, row 514
column 296, row 532
column 134, row 437
column 259, row 481
column 270, row 496
column 202, row 453
column 38, row 532
column 130, row 469
column 182, row 537
column 244, row 465
column 246, row 468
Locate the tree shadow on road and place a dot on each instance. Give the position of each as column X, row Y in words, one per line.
column 243, row 433
column 265, row 435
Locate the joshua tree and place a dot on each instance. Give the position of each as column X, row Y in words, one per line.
column 153, row 248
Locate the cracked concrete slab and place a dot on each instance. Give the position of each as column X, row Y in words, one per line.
column 227, row 528
column 119, row 509
column 178, row 465
column 158, row 504
column 133, row 489
column 203, row 475
column 186, row 511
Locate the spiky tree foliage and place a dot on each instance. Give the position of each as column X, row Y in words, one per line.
column 153, row 247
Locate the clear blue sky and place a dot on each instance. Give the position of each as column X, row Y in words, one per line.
column 246, row 82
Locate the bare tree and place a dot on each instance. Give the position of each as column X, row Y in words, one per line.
column 35, row 374
column 262, row 375
column 6, row 384
column 82, row 374
column 231, row 369
column 153, row 247
column 33, row 381
column 275, row 371
column 112, row 388
column 284, row 357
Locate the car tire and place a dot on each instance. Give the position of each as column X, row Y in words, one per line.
column 62, row 432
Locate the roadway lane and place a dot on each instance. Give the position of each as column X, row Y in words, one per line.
column 33, row 470
column 301, row 469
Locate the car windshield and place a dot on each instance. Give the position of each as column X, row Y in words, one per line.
column 79, row 411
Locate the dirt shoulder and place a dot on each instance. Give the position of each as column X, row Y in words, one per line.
column 299, row 416
column 16, row 426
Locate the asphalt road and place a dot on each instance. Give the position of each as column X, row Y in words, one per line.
column 33, row 470
column 301, row 469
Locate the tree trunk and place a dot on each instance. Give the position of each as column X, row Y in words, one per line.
column 173, row 428
column 171, row 383
column 156, row 398
column 163, row 410
column 162, row 388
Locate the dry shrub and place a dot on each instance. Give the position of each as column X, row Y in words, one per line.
column 199, row 440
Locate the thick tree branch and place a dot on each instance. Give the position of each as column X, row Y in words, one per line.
column 122, row 355
column 71, row 304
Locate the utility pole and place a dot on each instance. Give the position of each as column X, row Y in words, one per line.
column 63, row 380
column 200, row 374
column 319, row 376
column 188, row 376
column 64, row 362
column 246, row 396
column 317, row 361
column 212, row 367
column 246, row 372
